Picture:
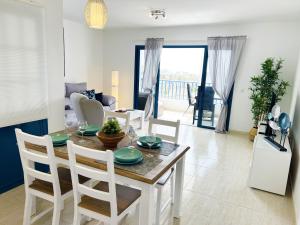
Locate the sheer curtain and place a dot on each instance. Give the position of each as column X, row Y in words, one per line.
column 224, row 55
column 23, row 80
column 153, row 48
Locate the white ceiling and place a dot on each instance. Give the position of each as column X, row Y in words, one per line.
column 135, row 13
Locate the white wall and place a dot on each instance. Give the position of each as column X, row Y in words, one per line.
column 83, row 54
column 295, row 171
column 54, row 57
column 264, row 40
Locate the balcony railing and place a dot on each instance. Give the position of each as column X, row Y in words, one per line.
column 176, row 89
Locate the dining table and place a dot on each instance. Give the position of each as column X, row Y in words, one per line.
column 143, row 175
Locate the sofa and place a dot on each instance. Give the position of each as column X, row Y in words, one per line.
column 108, row 102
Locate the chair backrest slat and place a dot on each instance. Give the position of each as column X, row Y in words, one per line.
column 39, row 175
column 108, row 176
column 29, row 157
column 105, row 196
column 89, row 153
column 165, row 123
column 88, row 172
column 36, row 157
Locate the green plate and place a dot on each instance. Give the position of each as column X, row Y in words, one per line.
column 59, row 138
column 143, row 145
column 130, row 163
column 90, row 131
column 60, row 144
column 145, row 140
column 86, row 134
column 127, row 154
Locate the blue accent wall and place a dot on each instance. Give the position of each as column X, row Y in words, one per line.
column 11, row 172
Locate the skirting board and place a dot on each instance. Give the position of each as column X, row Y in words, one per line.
column 293, row 174
column 238, row 132
column 11, row 185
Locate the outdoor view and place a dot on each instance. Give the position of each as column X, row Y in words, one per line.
column 180, row 69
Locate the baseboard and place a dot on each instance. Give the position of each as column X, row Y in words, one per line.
column 238, row 132
column 291, row 139
column 11, row 185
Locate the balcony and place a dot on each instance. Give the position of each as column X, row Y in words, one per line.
column 173, row 102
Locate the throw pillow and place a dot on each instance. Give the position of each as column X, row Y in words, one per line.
column 74, row 88
column 99, row 97
column 89, row 93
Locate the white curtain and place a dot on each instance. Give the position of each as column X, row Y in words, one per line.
column 224, row 54
column 23, row 80
column 153, row 48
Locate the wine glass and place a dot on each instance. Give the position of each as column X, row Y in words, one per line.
column 68, row 125
column 151, row 140
column 131, row 134
column 82, row 126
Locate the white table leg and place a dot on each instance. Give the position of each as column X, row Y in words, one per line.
column 179, row 180
column 147, row 204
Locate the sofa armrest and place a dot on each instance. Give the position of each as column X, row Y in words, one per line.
column 108, row 100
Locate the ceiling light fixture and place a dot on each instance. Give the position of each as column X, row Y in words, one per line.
column 158, row 13
column 96, row 14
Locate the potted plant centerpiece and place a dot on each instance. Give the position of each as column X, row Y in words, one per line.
column 111, row 134
column 263, row 88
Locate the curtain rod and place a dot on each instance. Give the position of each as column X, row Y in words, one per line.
column 166, row 40
column 238, row 36
column 196, row 41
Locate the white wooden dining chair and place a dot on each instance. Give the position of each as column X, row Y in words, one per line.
column 54, row 186
column 154, row 124
column 107, row 201
column 119, row 116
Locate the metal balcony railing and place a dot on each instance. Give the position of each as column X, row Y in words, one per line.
column 176, row 89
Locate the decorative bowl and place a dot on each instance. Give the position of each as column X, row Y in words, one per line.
column 110, row 141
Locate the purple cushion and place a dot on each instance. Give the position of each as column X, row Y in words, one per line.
column 75, row 88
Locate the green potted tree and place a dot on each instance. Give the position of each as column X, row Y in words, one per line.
column 262, row 88
column 111, row 133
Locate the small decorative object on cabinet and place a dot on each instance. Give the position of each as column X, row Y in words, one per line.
column 111, row 133
column 269, row 168
column 278, row 122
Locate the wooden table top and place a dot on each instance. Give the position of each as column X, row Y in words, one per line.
column 155, row 172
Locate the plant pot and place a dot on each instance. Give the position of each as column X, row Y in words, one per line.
column 110, row 141
column 252, row 133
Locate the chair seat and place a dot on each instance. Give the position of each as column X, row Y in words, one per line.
column 164, row 179
column 65, row 182
column 125, row 197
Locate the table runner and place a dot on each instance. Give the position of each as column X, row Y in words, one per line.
column 151, row 156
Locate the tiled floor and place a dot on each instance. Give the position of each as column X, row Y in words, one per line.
column 215, row 190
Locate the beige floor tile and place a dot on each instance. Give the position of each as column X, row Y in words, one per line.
column 215, row 188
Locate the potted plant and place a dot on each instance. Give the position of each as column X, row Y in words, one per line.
column 262, row 88
column 111, row 133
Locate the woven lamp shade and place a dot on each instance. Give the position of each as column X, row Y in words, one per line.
column 96, row 14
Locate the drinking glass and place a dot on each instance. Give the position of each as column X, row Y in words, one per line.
column 131, row 134
column 68, row 125
column 151, row 140
column 82, row 126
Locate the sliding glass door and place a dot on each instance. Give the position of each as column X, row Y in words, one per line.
column 183, row 91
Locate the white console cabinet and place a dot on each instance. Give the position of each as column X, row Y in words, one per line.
column 269, row 168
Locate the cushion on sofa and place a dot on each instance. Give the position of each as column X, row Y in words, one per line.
column 108, row 100
column 89, row 93
column 75, row 87
column 99, row 97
